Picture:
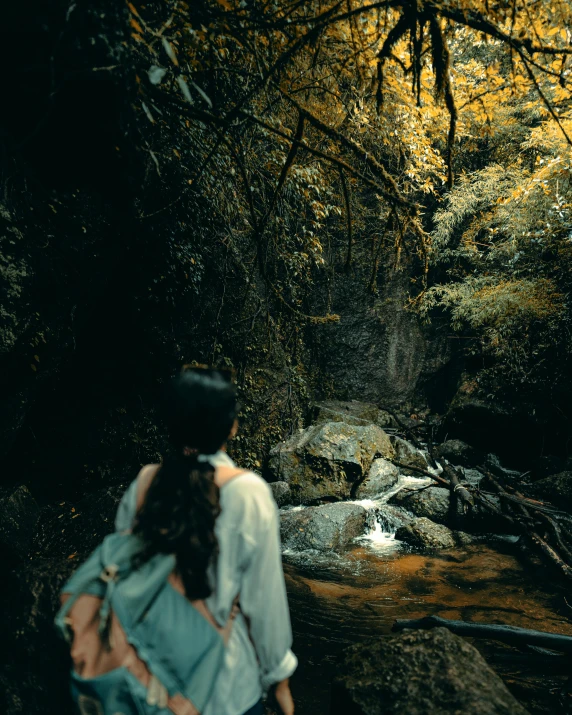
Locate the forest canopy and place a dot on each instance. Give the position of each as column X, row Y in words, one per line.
column 435, row 135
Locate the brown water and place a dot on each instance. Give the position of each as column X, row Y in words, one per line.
column 360, row 595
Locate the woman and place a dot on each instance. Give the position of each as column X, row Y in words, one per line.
column 222, row 524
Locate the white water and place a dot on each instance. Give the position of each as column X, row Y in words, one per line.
column 381, row 536
column 383, row 520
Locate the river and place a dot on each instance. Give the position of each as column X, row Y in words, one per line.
column 336, row 600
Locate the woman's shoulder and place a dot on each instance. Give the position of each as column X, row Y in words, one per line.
column 143, row 481
column 248, row 483
column 248, row 495
column 133, row 497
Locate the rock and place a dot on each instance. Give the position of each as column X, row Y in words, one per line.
column 379, row 351
column 472, row 477
column 280, row 492
column 425, row 533
column 408, row 455
column 391, row 517
column 459, row 453
column 330, row 527
column 327, row 459
column 19, row 514
column 381, row 477
column 352, row 413
column 419, row 673
column 508, row 475
column 433, row 503
column 557, row 489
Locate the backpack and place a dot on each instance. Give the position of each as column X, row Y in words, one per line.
column 138, row 645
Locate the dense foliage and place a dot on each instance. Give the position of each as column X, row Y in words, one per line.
column 430, row 134
column 237, row 161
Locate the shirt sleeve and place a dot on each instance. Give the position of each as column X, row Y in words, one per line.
column 263, row 599
column 127, row 508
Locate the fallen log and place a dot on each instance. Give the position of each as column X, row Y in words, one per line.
column 458, row 490
column 524, row 516
column 443, row 482
column 506, row 634
column 529, row 513
column 407, row 430
column 452, row 482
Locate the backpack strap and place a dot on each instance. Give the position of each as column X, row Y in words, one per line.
column 81, row 582
column 109, row 576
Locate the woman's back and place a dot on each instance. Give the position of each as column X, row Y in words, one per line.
column 247, row 567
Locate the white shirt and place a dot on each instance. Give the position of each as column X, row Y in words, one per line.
column 249, row 565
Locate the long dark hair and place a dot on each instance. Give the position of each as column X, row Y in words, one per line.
column 181, row 506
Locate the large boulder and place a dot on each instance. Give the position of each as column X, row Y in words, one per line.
column 19, row 514
column 330, row 527
column 426, row 534
column 328, row 459
column 557, row 489
column 419, row 673
column 435, row 504
column 382, row 476
column 352, row 413
column 281, row 492
column 431, row 503
column 408, row 456
column 459, row 453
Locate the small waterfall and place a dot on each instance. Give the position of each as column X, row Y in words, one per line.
column 384, row 519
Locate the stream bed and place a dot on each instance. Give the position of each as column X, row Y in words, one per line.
column 337, row 600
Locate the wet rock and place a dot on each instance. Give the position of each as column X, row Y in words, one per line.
column 281, row 492
column 472, row 477
column 330, row 527
column 507, row 475
column 408, row 455
column 391, row 517
column 19, row 514
column 424, row 533
column 557, row 489
column 382, row 476
column 431, row 503
column 352, row 413
column 459, row 453
column 419, row 673
column 434, row 504
column 327, row 459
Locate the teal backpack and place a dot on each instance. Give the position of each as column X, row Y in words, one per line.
column 138, row 645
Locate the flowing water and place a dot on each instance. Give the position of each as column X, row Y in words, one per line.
column 337, row 600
